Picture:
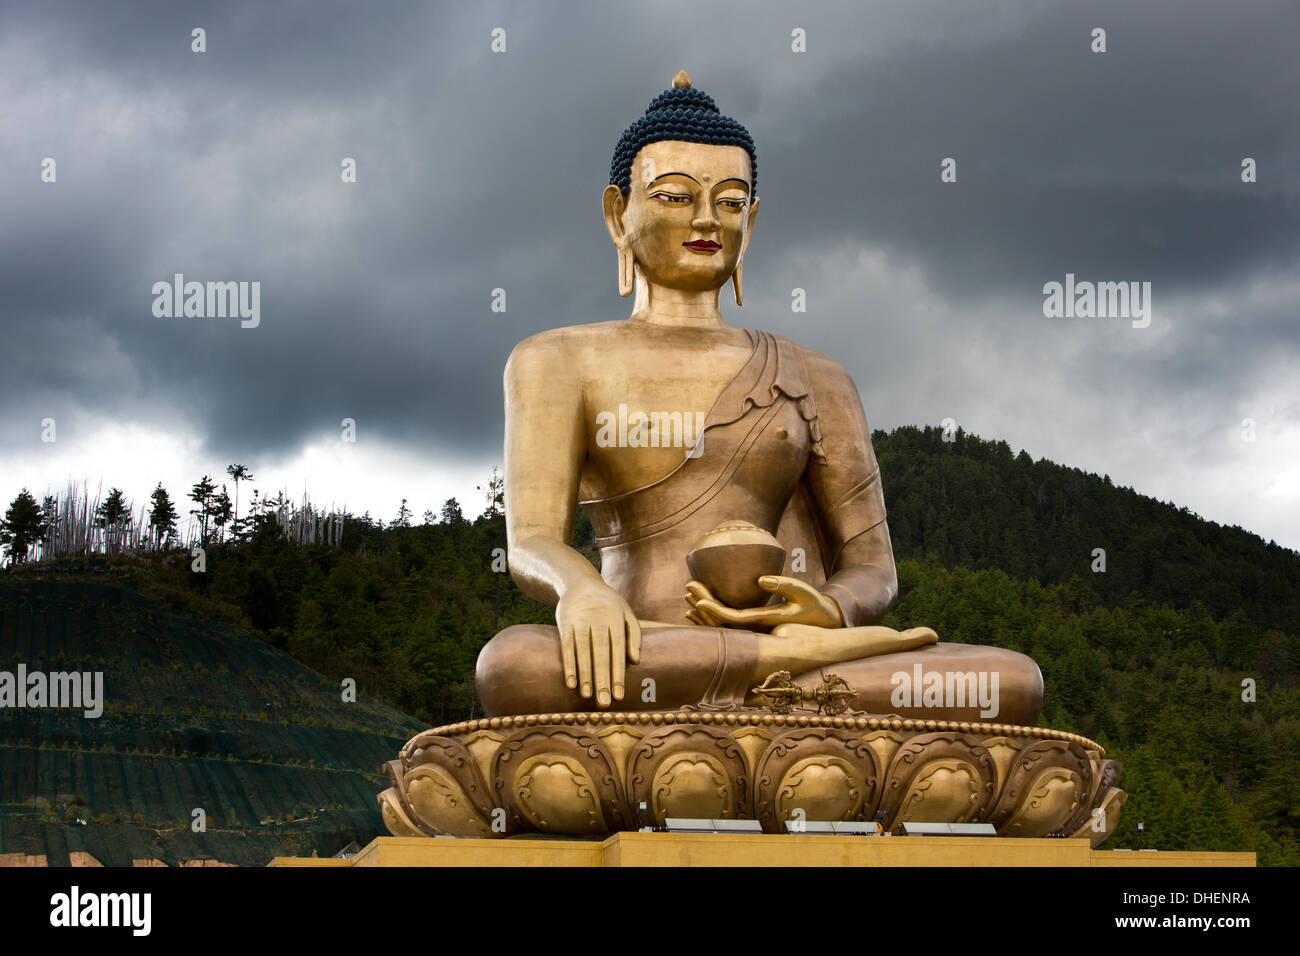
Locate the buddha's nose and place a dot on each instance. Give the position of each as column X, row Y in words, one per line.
column 704, row 218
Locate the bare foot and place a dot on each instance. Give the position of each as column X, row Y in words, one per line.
column 852, row 643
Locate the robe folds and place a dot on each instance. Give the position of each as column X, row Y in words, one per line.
column 763, row 459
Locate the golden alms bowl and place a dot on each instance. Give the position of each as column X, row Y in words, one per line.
column 731, row 558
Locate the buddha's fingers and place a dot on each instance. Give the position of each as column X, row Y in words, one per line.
column 617, row 660
column 633, row 637
column 704, row 620
column 569, row 658
column 582, row 638
column 701, row 616
column 696, row 592
column 702, row 604
column 789, row 588
column 600, row 638
column 713, row 613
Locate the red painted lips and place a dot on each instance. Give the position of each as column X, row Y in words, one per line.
column 703, row 245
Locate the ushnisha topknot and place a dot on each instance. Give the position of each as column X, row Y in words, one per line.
column 682, row 114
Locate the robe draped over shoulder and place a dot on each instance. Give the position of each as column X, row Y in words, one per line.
column 761, row 458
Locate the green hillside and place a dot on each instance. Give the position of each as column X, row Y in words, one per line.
column 972, row 503
column 198, row 714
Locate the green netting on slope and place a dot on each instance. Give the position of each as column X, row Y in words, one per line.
column 151, row 656
column 168, row 787
column 246, row 734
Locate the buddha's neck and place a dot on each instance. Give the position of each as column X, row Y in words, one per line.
column 682, row 308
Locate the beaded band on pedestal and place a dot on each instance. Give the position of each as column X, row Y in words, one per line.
column 758, row 720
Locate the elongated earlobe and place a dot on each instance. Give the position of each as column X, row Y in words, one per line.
column 749, row 232
column 626, row 270
column 614, row 204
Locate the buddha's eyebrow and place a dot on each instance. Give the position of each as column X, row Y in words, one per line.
column 733, row 179
column 687, row 175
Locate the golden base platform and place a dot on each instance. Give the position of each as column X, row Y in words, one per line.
column 759, row 849
column 588, row 774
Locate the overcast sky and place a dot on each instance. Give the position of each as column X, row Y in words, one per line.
column 479, row 170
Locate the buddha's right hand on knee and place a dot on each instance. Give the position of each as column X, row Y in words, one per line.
column 599, row 634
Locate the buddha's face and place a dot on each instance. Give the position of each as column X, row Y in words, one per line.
column 688, row 214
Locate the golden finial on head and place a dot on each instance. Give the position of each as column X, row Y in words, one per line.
column 682, row 81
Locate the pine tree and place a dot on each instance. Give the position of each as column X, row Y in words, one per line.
column 22, row 526
column 50, row 522
column 114, row 510
column 114, row 516
column 221, row 512
column 451, row 513
column 201, row 494
column 162, row 516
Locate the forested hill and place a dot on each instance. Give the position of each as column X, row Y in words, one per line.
column 972, row 503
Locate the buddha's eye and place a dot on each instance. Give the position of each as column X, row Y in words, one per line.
column 672, row 198
column 732, row 203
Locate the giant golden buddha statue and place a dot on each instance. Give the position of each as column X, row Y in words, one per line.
column 784, row 446
column 745, row 564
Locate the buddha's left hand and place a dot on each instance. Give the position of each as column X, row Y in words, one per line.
column 804, row 604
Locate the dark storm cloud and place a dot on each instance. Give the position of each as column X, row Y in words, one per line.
column 481, row 171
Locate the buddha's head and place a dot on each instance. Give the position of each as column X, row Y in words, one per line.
column 681, row 204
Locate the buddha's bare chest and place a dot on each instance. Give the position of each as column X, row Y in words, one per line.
column 659, row 377
column 638, row 434
column 660, row 394
column 644, row 411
